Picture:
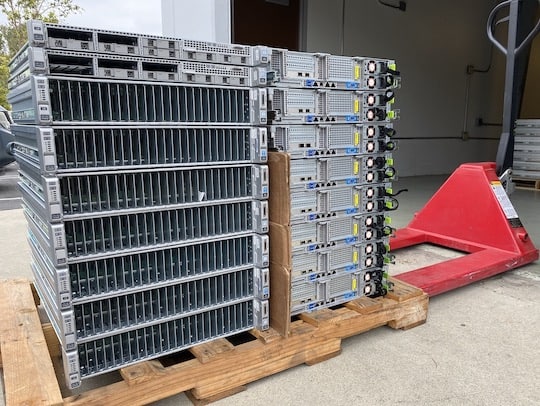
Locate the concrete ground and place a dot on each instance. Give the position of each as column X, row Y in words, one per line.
column 478, row 347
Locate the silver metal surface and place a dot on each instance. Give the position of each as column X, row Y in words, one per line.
column 45, row 101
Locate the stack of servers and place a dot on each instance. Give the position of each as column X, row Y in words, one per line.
column 142, row 170
column 527, row 149
column 330, row 116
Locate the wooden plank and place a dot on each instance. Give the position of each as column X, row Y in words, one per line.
column 255, row 359
column 215, row 398
column 228, row 370
column 52, row 340
column 142, row 372
column 318, row 317
column 206, row 351
column 221, row 368
column 29, row 377
column 412, row 315
column 266, row 336
column 365, row 305
column 527, row 183
column 402, row 291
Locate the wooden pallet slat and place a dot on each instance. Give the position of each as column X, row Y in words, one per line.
column 220, row 368
column 29, row 377
column 527, row 183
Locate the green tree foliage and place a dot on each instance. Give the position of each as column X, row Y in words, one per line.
column 13, row 31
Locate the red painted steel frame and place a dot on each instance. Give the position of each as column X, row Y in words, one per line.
column 465, row 215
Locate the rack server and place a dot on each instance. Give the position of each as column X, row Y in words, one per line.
column 45, row 101
column 334, row 140
column 62, row 37
column 332, row 116
column 331, row 291
column 309, row 266
column 59, row 62
column 527, row 149
column 326, row 71
column 305, row 106
column 66, row 149
column 142, row 165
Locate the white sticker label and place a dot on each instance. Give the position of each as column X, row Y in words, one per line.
column 504, row 201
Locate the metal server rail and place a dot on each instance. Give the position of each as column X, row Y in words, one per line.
column 145, row 201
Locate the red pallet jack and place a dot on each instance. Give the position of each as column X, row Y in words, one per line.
column 471, row 212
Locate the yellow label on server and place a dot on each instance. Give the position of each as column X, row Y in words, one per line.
column 357, row 72
column 356, row 167
column 354, row 284
column 391, row 115
column 356, row 200
column 390, row 161
column 392, row 66
column 355, row 229
column 356, row 106
column 356, row 138
column 355, row 257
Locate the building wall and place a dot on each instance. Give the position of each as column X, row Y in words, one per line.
column 432, row 42
column 205, row 20
column 531, row 108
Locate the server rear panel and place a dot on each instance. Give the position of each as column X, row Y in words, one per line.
column 333, row 117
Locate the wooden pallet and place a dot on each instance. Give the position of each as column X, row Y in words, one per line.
column 33, row 374
column 527, row 183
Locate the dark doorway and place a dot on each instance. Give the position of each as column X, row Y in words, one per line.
column 267, row 22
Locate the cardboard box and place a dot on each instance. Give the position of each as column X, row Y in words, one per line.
column 280, row 242
column 279, row 200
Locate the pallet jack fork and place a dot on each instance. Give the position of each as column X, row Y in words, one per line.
column 471, row 212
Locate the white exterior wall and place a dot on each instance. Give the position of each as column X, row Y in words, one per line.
column 205, row 20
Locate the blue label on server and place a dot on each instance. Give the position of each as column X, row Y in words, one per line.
column 352, row 151
column 309, row 82
column 310, row 152
column 311, row 185
column 352, row 85
column 351, row 181
column 348, row 295
column 311, row 247
column 351, row 211
column 312, row 306
column 352, row 117
column 350, row 240
column 312, row 217
column 312, row 277
column 350, row 268
column 310, row 118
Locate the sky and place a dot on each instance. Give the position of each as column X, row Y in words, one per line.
column 138, row 16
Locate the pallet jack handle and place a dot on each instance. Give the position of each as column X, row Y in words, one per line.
column 513, row 87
